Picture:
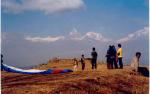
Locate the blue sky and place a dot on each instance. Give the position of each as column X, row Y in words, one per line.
column 55, row 20
column 115, row 17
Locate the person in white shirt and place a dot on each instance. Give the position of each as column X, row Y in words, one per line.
column 75, row 64
column 135, row 62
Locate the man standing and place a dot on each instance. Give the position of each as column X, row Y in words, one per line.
column 94, row 58
column 120, row 56
column 1, row 62
column 108, row 60
column 83, row 62
column 114, row 52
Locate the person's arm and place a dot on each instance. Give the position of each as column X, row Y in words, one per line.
column 118, row 52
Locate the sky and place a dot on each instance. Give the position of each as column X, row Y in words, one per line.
column 33, row 31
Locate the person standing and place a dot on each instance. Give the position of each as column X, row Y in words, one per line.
column 135, row 62
column 120, row 56
column 83, row 62
column 94, row 58
column 108, row 59
column 112, row 57
column 75, row 64
column 114, row 53
column 1, row 62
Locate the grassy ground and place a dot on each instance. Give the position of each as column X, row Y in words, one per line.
column 100, row 81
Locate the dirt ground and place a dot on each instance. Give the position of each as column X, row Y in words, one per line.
column 100, row 81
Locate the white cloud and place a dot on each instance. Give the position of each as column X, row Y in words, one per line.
column 47, row 6
column 94, row 35
column 75, row 35
column 135, row 35
column 44, row 39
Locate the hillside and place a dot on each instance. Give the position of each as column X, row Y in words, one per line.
column 100, row 81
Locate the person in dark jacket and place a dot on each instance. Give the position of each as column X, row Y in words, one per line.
column 82, row 62
column 108, row 59
column 111, row 57
column 1, row 62
column 94, row 58
column 114, row 56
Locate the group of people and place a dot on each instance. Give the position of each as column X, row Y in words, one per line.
column 114, row 57
column 82, row 60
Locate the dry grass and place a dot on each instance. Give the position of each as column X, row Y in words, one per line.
column 100, row 81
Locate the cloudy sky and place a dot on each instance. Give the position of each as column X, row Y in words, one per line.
column 34, row 31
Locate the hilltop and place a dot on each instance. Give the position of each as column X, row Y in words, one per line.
column 100, row 81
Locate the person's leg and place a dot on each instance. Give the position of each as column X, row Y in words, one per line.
column 120, row 63
column 92, row 64
column 115, row 63
column 76, row 67
column 110, row 67
column 108, row 62
column 83, row 66
column 107, row 65
column 111, row 63
column 96, row 65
